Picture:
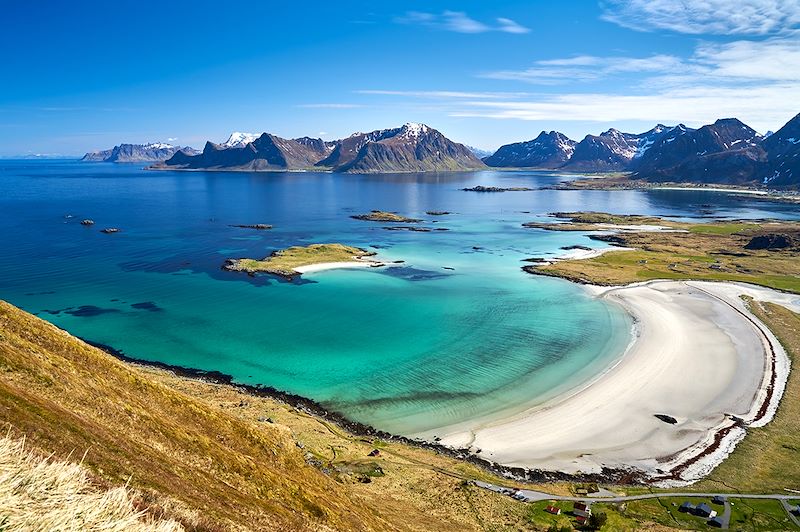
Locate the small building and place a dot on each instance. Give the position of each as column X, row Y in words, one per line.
column 581, row 509
column 716, row 522
column 582, row 520
column 553, row 510
column 703, row 510
column 686, row 507
column 718, row 499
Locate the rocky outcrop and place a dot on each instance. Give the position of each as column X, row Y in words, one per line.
column 772, row 241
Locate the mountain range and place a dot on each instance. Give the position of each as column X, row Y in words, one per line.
column 137, row 153
column 410, row 148
column 725, row 152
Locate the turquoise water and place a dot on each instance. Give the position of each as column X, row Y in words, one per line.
column 406, row 349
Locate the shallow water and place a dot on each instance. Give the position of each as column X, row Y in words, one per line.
column 407, row 349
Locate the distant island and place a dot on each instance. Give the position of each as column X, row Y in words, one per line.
column 410, row 148
column 137, row 153
column 296, row 260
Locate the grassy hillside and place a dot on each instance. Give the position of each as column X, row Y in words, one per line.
column 67, row 397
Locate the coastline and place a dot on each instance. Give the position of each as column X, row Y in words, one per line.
column 691, row 358
column 668, row 455
column 316, row 409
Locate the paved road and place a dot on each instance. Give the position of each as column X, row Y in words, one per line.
column 788, row 507
column 725, row 518
column 533, row 496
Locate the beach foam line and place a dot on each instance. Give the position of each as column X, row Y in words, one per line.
column 698, row 355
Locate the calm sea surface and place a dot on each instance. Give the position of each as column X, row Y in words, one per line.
column 457, row 332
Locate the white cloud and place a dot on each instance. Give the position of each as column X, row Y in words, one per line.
column 509, row 26
column 172, row 139
column 460, row 22
column 722, row 17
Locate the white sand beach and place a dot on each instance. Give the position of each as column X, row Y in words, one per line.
column 697, row 355
column 322, row 266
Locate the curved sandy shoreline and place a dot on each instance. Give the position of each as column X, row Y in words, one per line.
column 698, row 355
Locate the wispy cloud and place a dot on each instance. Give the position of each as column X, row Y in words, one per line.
column 446, row 94
column 460, row 22
column 585, row 68
column 696, row 106
column 722, row 17
column 330, row 105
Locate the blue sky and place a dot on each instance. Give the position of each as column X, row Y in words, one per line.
column 79, row 76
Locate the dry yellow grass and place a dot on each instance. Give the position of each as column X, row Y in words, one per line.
column 41, row 494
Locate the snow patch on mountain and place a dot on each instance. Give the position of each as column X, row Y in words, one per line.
column 237, row 139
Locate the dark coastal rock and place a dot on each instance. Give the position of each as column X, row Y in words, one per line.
column 437, row 213
column 481, row 188
column 384, row 216
column 771, row 241
column 666, row 419
column 109, row 230
column 87, row 222
column 617, row 240
column 260, row 227
column 415, row 229
column 584, row 248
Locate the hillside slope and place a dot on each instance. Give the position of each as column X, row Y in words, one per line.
column 68, row 397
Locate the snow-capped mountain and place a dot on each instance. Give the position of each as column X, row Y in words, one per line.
column 266, row 153
column 237, row 139
column 410, row 148
column 137, row 153
column 725, row 151
column 548, row 150
column 783, row 155
column 610, row 151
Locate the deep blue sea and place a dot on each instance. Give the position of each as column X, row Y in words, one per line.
column 457, row 332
